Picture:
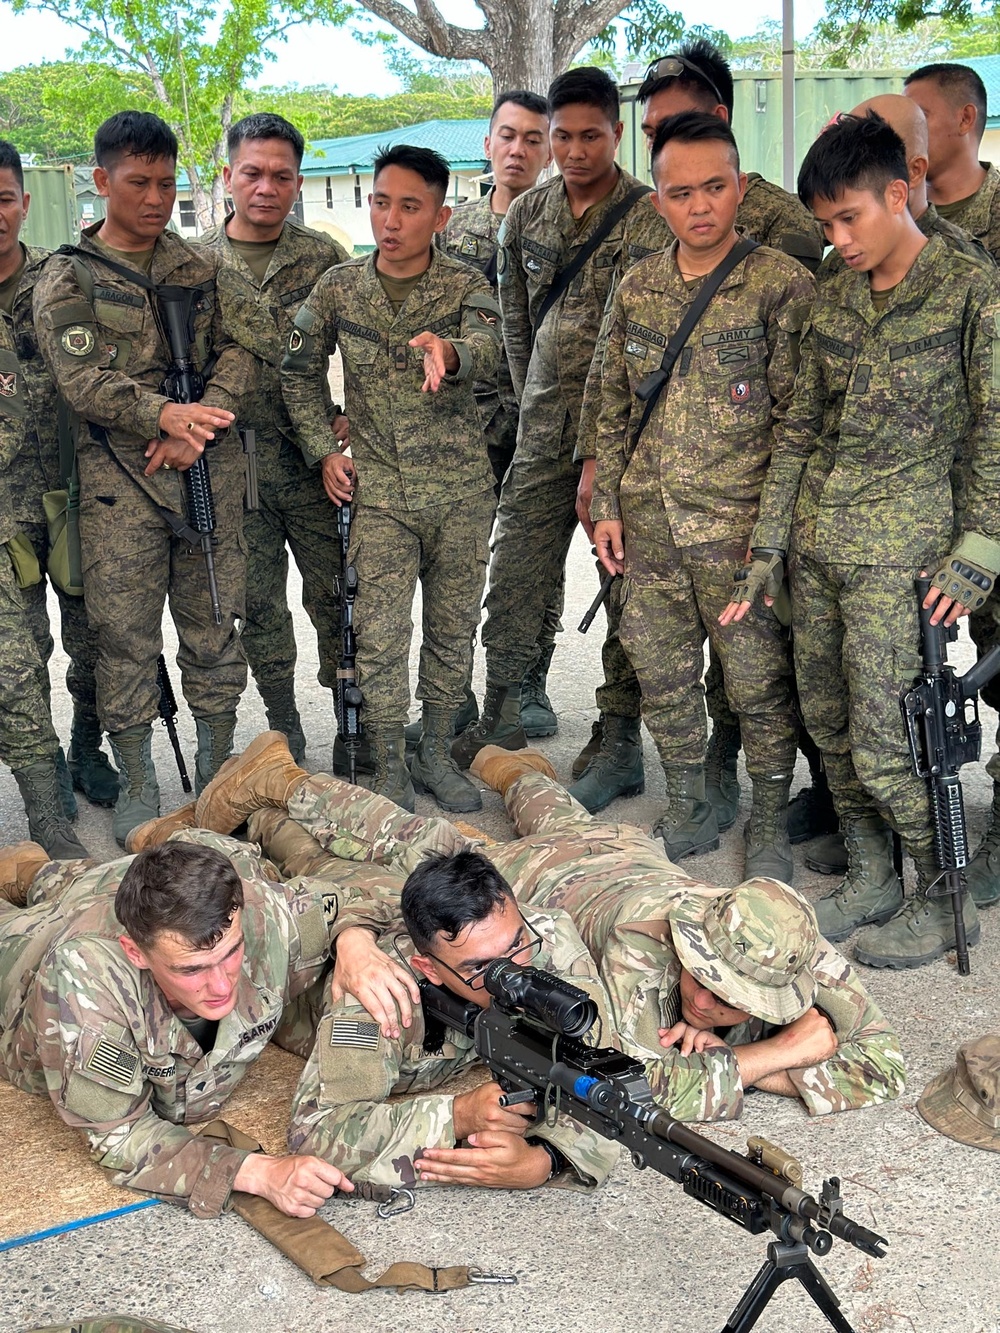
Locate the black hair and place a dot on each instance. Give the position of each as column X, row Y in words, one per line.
column 711, row 75
column 854, row 153
column 448, row 892
column 959, row 82
column 265, row 125
column 133, row 134
column 693, row 127
column 180, row 887
column 589, row 85
column 10, row 160
column 429, row 166
column 519, row 97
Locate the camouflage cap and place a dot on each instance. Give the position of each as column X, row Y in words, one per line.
column 964, row 1101
column 752, row 946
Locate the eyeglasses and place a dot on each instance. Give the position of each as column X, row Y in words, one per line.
column 523, row 953
column 672, row 67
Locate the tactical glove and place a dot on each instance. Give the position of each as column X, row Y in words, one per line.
column 968, row 574
column 765, row 573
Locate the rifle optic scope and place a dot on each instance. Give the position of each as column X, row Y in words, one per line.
column 550, row 1000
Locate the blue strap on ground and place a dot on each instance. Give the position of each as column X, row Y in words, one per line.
column 75, row 1226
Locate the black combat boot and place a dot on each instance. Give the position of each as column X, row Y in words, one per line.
column 391, row 778
column 215, row 745
column 722, row 790
column 766, row 831
column 499, row 724
column 433, row 770
column 617, row 768
column 139, row 794
column 982, row 877
column 537, row 715
column 464, row 718
column 688, row 825
column 590, row 751
column 47, row 822
column 65, row 779
column 88, row 764
column 870, row 892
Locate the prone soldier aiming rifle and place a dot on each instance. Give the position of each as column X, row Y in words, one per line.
column 943, row 735
column 530, row 1037
column 349, row 696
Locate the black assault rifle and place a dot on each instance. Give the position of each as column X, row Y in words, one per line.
column 941, row 715
column 349, row 696
column 530, row 1037
column 595, row 606
column 184, row 384
column 168, row 711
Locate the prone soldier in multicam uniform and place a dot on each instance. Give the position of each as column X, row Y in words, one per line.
column 544, row 232
column 517, row 148
column 674, row 506
column 28, row 742
column 34, row 471
column 137, row 994
column 795, row 1020
column 897, row 380
column 695, row 78
column 966, row 192
column 416, row 330
column 275, row 262
column 101, row 339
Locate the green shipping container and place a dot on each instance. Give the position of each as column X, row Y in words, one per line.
column 52, row 217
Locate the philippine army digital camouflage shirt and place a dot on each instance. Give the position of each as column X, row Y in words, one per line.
column 539, row 237
column 79, row 1023
column 980, row 215
column 340, row 1111
column 619, row 887
column 704, row 452
column 109, row 360
column 413, row 449
column 259, row 316
column 884, row 403
column 931, row 223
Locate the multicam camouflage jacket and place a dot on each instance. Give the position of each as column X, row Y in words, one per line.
column 884, row 403
column 707, row 444
column 80, row 1023
column 413, row 449
column 259, row 316
column 340, row 1111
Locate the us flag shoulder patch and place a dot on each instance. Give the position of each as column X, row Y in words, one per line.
column 352, row 1032
column 113, row 1062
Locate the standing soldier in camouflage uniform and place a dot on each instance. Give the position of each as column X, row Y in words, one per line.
column 543, row 233
column 416, row 330
column 966, row 192
column 33, row 471
column 674, row 506
column 136, row 995
column 28, row 742
column 694, row 78
column 275, row 262
column 102, row 342
column 517, row 148
column 898, row 378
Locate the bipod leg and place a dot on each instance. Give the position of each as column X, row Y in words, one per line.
column 783, row 1262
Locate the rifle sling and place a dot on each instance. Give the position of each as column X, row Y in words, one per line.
column 600, row 233
column 653, row 385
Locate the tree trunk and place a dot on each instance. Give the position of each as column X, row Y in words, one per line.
column 522, row 45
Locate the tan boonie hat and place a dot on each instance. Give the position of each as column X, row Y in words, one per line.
column 752, row 946
column 964, row 1101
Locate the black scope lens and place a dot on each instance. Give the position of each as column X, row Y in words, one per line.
column 553, row 1002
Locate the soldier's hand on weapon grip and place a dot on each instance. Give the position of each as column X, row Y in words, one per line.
column 689, row 1039
column 584, row 496
column 764, row 574
column 609, row 544
column 297, row 1185
column 193, row 424
column 171, row 453
column 440, row 358
column 340, row 476
column 382, row 986
column 480, row 1109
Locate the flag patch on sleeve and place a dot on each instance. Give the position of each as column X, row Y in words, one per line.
column 113, row 1062
column 352, row 1032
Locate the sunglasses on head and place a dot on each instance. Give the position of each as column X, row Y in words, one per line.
column 672, row 67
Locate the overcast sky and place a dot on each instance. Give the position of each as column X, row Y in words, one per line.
column 321, row 55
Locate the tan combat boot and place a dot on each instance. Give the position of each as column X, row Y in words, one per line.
column 264, row 774
column 157, row 831
column 19, row 864
column 500, row 768
column 288, row 845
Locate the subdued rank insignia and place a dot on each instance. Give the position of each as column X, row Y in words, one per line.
column 729, row 356
column 533, row 266
column 485, row 317
column 8, row 385
column 295, row 341
column 353, row 1032
column 77, row 341
column 112, row 350
column 470, row 245
column 740, row 391
column 113, row 1062
column 636, row 349
column 403, row 356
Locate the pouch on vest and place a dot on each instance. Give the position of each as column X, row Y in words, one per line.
column 27, row 570
column 62, row 515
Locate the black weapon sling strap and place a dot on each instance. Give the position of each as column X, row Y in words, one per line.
column 600, row 233
column 653, row 385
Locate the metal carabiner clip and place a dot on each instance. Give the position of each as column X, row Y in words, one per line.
column 400, row 1201
column 479, row 1278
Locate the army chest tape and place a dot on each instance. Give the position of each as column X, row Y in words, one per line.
column 600, row 233
column 653, row 385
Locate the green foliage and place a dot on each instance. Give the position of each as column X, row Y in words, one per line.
column 52, row 110
column 885, row 46
column 849, row 26
column 321, row 114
